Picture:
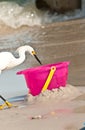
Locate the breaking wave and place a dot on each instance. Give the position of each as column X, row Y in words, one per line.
column 24, row 12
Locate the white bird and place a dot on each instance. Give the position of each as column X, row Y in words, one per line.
column 8, row 61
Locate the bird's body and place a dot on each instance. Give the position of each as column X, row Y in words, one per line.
column 8, row 61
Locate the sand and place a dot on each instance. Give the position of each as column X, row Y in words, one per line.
column 47, row 111
column 62, row 109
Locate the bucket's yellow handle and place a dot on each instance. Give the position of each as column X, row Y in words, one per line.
column 53, row 69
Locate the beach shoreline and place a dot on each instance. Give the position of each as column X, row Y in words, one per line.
column 55, row 39
column 7, row 30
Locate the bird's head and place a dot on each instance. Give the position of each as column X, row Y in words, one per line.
column 30, row 50
column 33, row 53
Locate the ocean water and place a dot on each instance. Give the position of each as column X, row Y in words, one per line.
column 16, row 13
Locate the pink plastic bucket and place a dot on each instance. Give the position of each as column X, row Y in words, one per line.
column 36, row 77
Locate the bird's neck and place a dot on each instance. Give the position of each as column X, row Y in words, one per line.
column 21, row 58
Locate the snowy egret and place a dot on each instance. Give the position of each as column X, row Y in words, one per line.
column 8, row 61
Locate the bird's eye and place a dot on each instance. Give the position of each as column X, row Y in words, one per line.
column 33, row 52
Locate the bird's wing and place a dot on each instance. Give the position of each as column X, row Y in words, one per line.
column 5, row 58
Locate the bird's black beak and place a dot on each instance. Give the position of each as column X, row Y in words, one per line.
column 37, row 59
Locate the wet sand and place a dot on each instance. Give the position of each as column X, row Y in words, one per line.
column 54, row 43
column 81, row 97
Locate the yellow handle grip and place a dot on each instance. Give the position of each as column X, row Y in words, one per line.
column 49, row 78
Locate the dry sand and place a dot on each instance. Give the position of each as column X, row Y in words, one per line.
column 57, row 110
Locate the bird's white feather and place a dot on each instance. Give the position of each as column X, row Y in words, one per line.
column 7, row 60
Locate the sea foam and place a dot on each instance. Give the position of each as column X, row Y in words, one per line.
column 16, row 15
